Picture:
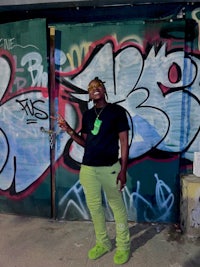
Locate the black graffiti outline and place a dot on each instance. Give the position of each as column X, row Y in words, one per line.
column 8, row 150
column 31, row 110
column 11, row 189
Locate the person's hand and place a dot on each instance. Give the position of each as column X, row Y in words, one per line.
column 121, row 180
column 63, row 124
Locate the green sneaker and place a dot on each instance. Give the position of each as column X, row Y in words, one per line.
column 97, row 251
column 121, row 256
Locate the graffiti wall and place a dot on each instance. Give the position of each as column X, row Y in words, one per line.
column 24, row 109
column 150, row 67
column 152, row 70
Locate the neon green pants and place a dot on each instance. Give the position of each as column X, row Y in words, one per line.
column 93, row 180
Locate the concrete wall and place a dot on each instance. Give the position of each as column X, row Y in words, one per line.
column 190, row 206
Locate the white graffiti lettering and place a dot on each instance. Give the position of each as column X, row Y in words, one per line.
column 35, row 68
column 7, row 44
column 161, row 210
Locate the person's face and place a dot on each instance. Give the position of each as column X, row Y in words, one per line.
column 96, row 90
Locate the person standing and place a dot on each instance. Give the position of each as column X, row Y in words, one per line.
column 104, row 127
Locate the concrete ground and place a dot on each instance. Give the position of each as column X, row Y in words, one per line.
column 36, row 242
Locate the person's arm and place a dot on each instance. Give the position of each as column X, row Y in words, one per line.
column 123, row 138
column 79, row 139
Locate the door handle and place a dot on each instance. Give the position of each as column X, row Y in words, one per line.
column 43, row 130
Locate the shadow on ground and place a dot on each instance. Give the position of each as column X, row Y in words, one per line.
column 143, row 233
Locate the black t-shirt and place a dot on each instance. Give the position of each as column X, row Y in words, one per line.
column 103, row 149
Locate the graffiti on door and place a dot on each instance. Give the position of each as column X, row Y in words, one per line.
column 156, row 81
column 153, row 72
column 24, row 108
